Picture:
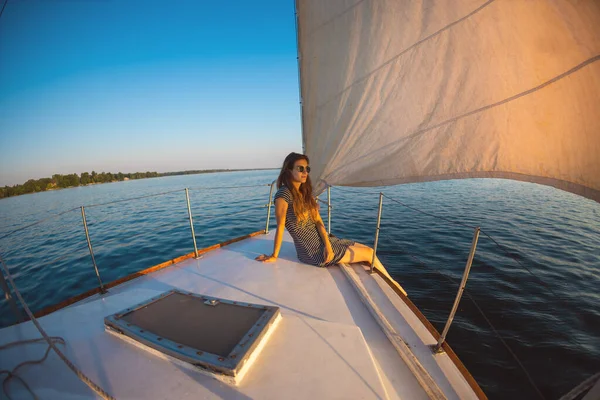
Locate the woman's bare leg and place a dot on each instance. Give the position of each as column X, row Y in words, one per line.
column 359, row 253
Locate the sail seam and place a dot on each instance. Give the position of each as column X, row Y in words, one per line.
column 509, row 99
column 391, row 60
column 330, row 20
column 484, row 108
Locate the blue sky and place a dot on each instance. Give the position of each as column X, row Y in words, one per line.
column 119, row 85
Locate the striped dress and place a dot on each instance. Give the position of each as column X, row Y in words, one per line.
column 309, row 245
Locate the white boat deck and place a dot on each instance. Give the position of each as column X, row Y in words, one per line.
column 327, row 345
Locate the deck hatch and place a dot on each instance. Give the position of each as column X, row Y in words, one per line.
column 216, row 334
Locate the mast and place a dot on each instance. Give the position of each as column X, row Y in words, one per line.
column 299, row 60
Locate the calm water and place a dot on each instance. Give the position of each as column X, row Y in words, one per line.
column 549, row 317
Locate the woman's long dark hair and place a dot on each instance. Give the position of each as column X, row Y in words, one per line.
column 303, row 199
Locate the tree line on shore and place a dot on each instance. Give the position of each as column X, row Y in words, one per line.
column 59, row 181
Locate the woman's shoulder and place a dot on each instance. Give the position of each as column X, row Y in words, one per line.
column 285, row 193
column 283, row 189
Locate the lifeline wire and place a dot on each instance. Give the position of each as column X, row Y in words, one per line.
column 3, row 7
column 134, row 198
column 227, row 187
column 120, row 201
column 512, row 353
column 540, row 280
column 38, row 222
column 235, row 213
column 467, row 293
column 544, row 284
column 426, row 213
column 407, row 206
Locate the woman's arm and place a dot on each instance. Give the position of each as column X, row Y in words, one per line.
column 281, row 207
column 325, row 237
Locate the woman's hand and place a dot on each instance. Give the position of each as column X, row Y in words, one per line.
column 266, row 258
column 328, row 253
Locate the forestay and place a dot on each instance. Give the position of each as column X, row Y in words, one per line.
column 398, row 91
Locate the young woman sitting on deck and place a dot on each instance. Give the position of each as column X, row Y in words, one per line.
column 297, row 210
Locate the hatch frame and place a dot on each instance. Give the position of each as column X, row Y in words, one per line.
column 230, row 365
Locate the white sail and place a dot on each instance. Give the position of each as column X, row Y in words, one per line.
column 398, row 91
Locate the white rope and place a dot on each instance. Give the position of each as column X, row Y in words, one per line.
column 50, row 342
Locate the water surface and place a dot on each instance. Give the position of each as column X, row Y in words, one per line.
column 545, row 305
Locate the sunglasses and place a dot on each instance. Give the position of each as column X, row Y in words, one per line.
column 300, row 168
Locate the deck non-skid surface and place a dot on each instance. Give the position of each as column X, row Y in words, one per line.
column 318, row 350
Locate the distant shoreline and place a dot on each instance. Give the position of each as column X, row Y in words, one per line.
column 58, row 181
